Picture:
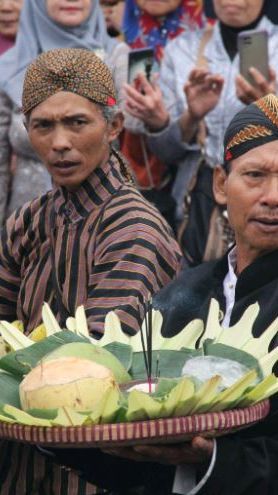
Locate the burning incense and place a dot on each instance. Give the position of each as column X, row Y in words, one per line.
column 147, row 341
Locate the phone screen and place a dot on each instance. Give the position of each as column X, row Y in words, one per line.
column 140, row 62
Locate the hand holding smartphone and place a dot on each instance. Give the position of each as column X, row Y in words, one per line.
column 253, row 52
column 140, row 61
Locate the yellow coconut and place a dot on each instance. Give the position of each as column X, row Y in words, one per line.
column 65, row 382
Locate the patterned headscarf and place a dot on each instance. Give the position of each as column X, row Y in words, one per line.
column 67, row 69
column 253, row 126
column 38, row 33
column 143, row 30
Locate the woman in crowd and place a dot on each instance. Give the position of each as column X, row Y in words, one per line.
column 205, row 88
column 153, row 24
column 45, row 24
column 9, row 17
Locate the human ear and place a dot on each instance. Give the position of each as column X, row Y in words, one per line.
column 220, row 177
column 115, row 127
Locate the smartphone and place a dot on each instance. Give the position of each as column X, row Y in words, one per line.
column 140, row 61
column 253, row 52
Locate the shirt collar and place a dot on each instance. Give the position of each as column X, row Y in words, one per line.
column 232, row 262
column 92, row 193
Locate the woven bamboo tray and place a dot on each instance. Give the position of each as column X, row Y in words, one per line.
column 167, row 430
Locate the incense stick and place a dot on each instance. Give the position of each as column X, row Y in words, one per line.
column 143, row 342
column 149, row 344
column 147, row 347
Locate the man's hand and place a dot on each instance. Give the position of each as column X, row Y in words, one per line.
column 144, row 101
column 198, row 451
column 247, row 93
column 202, row 92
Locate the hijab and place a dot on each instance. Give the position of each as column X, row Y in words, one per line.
column 144, row 30
column 38, row 33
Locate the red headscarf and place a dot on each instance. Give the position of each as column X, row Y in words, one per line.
column 142, row 29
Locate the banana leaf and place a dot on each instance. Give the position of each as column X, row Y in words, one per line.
column 123, row 352
column 20, row 362
column 165, row 363
column 142, row 406
column 111, row 407
column 68, row 417
column 205, row 395
column 228, row 352
column 164, row 386
column 231, row 396
column 179, row 399
column 43, row 413
column 9, row 386
column 23, row 417
column 259, row 392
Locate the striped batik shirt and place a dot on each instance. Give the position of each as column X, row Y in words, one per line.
column 109, row 249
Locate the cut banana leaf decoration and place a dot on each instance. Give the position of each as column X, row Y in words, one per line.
column 38, row 334
column 22, row 417
column 259, row 347
column 213, row 328
column 49, row 321
column 263, row 390
column 235, row 336
column 79, row 323
column 142, row 406
column 205, row 395
column 204, row 368
column 178, row 401
column 70, row 324
column 268, row 361
column 186, row 339
column 14, row 337
column 113, row 331
column 68, row 417
column 228, row 399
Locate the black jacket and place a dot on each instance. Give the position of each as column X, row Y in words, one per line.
column 247, row 462
column 189, row 296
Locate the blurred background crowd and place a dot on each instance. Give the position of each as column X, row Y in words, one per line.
column 187, row 88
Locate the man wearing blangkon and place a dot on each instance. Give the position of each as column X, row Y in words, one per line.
column 244, row 463
column 92, row 240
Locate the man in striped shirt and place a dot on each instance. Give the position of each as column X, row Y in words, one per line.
column 92, row 240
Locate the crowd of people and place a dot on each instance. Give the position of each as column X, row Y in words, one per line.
column 174, row 122
column 110, row 187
